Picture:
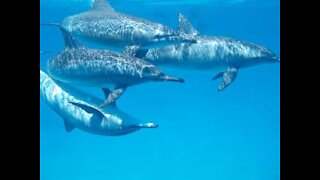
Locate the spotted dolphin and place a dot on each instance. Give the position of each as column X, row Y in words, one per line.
column 80, row 110
column 208, row 53
column 79, row 65
column 104, row 25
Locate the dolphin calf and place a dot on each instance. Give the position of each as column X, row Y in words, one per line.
column 104, row 25
column 79, row 65
column 208, row 53
column 79, row 110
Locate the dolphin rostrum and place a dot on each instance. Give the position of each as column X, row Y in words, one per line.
column 79, row 65
column 79, row 110
column 104, row 25
column 208, row 53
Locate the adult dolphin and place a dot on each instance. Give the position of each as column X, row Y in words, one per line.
column 79, row 65
column 102, row 24
column 80, row 110
column 208, row 53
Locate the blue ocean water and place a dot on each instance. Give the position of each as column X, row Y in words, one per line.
column 203, row 134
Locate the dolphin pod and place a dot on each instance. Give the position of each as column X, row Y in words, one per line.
column 208, row 53
column 146, row 45
column 104, row 25
column 80, row 110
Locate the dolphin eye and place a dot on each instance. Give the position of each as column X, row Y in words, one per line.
column 141, row 53
column 147, row 70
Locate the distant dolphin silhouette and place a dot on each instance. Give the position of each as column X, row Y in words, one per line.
column 79, row 65
column 79, row 110
column 102, row 24
column 208, row 53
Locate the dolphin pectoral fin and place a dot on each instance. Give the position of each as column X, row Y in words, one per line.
column 112, row 97
column 97, row 114
column 106, row 92
column 227, row 77
column 68, row 127
column 219, row 75
column 185, row 27
column 134, row 51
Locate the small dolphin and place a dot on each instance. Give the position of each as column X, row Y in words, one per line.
column 79, row 110
column 79, row 65
column 208, row 53
column 103, row 25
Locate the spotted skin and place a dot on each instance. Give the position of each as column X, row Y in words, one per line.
column 101, row 68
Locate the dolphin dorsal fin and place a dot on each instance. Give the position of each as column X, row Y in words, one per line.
column 102, row 5
column 69, row 40
column 185, row 27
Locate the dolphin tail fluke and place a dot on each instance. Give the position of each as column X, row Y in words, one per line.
column 69, row 40
column 171, row 78
column 227, row 77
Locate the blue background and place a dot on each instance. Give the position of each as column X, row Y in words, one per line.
column 203, row 134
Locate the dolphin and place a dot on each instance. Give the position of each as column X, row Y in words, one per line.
column 80, row 110
column 79, row 65
column 104, row 25
column 208, row 53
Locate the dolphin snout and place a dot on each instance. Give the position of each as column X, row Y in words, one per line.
column 171, row 78
column 275, row 59
column 148, row 125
